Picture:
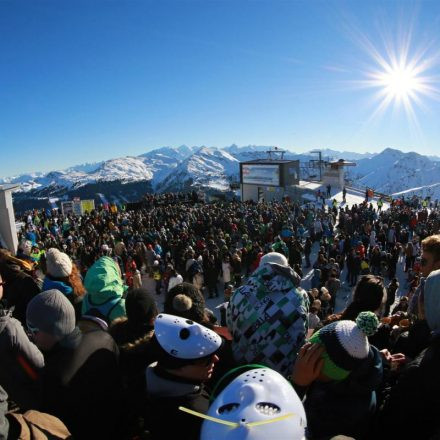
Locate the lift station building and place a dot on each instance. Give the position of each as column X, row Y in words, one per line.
column 268, row 179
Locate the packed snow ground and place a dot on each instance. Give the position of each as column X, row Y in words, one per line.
column 353, row 197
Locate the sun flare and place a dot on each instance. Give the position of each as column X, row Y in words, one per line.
column 400, row 82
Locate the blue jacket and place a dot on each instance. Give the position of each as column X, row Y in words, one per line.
column 48, row 284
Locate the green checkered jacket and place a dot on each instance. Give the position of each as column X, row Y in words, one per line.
column 267, row 318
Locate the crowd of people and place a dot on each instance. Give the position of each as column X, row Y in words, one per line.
column 329, row 321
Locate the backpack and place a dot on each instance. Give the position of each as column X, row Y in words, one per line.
column 35, row 425
column 103, row 310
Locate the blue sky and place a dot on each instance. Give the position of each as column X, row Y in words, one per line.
column 83, row 81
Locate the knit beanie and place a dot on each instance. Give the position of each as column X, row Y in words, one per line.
column 141, row 308
column 274, row 257
column 346, row 344
column 58, row 264
column 187, row 301
column 51, row 312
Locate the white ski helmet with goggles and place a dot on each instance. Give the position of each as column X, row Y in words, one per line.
column 185, row 339
column 258, row 404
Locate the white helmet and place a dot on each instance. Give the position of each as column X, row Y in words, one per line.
column 251, row 401
column 274, row 257
column 185, row 339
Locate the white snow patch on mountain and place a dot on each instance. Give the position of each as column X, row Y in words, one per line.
column 395, row 172
column 127, row 169
column 208, row 167
column 171, row 169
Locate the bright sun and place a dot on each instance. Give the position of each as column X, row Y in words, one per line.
column 400, row 82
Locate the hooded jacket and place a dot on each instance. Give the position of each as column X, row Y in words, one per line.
column 316, row 279
column 19, row 289
column 345, row 407
column 49, row 284
column 165, row 393
column 82, row 385
column 416, row 394
column 21, row 362
column 267, row 318
column 105, row 289
column 417, row 389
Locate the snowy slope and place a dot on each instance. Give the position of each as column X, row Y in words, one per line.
column 85, row 167
column 127, row 169
column 208, row 167
column 171, row 169
column 163, row 161
column 395, row 172
column 154, row 164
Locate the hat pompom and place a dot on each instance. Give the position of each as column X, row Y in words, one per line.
column 367, row 323
column 182, row 303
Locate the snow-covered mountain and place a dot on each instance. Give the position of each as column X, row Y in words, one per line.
column 394, row 172
column 126, row 169
column 152, row 166
column 163, row 161
column 347, row 155
column 184, row 168
column 207, row 167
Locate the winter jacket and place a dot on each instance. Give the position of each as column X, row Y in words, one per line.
column 316, row 279
column 104, row 291
column 345, row 407
column 135, row 354
column 333, row 285
column 49, row 284
column 148, row 283
column 267, row 318
column 63, row 287
column 150, row 256
column 4, row 422
column 211, row 273
column 21, row 363
column 416, row 395
column 82, row 386
column 165, row 393
column 174, row 281
column 18, row 290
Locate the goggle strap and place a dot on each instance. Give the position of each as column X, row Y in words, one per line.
column 234, row 424
column 206, row 417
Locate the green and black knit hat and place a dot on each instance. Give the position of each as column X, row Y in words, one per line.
column 346, row 344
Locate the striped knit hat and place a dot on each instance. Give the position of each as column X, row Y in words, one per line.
column 346, row 344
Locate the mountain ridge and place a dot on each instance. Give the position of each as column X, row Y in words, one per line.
column 212, row 168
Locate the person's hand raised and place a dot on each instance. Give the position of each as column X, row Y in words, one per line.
column 393, row 360
column 308, row 364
